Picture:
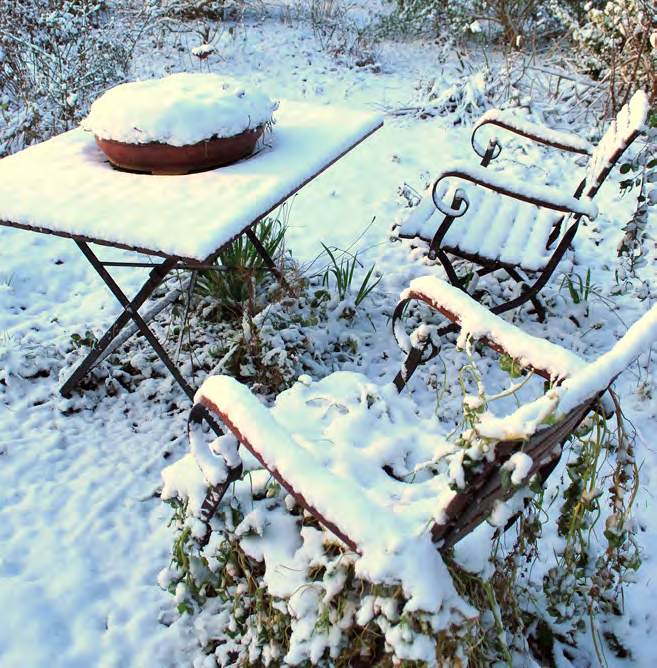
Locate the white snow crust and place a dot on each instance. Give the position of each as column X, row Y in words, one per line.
column 365, row 431
column 179, row 109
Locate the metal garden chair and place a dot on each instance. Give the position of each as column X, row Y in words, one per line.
column 357, row 456
column 476, row 214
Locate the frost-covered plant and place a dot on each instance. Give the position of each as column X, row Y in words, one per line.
column 514, row 21
column 272, row 586
column 255, row 352
column 292, row 335
column 462, row 97
column 20, row 358
column 313, row 610
column 232, row 286
column 603, row 481
column 579, row 586
column 341, row 29
column 340, row 274
column 619, row 47
column 213, row 10
column 431, row 17
column 641, row 180
column 268, row 334
column 56, row 56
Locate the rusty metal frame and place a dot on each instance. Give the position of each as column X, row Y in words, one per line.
column 158, row 274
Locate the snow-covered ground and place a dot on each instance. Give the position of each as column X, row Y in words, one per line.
column 83, row 533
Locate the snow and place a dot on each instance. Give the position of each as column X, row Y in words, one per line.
column 477, row 321
column 519, row 464
column 83, row 534
column 81, row 194
column 517, row 123
column 386, row 520
column 178, row 110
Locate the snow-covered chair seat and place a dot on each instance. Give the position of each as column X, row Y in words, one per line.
column 358, row 456
column 486, row 217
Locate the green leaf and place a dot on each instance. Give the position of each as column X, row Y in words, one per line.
column 511, row 366
column 186, row 607
column 505, row 474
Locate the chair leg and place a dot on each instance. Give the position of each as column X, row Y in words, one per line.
column 449, row 269
column 538, row 306
column 409, row 365
column 416, row 355
column 215, row 493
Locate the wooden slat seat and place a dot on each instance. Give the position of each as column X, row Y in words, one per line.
column 513, row 233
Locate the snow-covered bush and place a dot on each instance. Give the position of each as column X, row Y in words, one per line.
column 214, row 10
column 463, row 97
column 619, row 46
column 640, row 180
column 56, row 56
column 513, row 21
column 343, row 30
column 273, row 587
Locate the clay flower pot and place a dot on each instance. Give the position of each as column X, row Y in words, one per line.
column 159, row 158
column 179, row 124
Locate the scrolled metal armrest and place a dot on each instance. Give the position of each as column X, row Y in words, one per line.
column 460, row 201
column 563, row 141
column 538, row 195
column 491, row 152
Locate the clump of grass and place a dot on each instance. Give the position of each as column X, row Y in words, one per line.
column 342, row 272
column 241, row 269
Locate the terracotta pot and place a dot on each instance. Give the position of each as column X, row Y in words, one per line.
column 157, row 158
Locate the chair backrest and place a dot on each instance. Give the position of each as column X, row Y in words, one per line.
column 624, row 129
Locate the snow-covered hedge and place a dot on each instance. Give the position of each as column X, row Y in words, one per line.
column 56, row 56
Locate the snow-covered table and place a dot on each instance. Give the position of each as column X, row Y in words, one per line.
column 65, row 186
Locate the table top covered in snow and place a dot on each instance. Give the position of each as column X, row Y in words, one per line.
column 66, row 186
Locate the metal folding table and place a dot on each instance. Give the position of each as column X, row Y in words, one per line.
column 66, row 187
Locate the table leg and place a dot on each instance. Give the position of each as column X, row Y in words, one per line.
column 130, row 312
column 267, row 258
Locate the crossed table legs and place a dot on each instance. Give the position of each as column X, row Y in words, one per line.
column 131, row 308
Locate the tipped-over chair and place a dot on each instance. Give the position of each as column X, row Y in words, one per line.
column 483, row 216
column 358, row 456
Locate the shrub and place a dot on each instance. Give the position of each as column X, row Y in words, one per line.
column 640, row 178
column 56, row 56
column 213, row 10
column 619, row 47
column 513, row 20
column 234, row 289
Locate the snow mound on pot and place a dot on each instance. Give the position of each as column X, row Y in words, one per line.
column 179, row 110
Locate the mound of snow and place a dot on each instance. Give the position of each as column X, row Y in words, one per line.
column 178, row 110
